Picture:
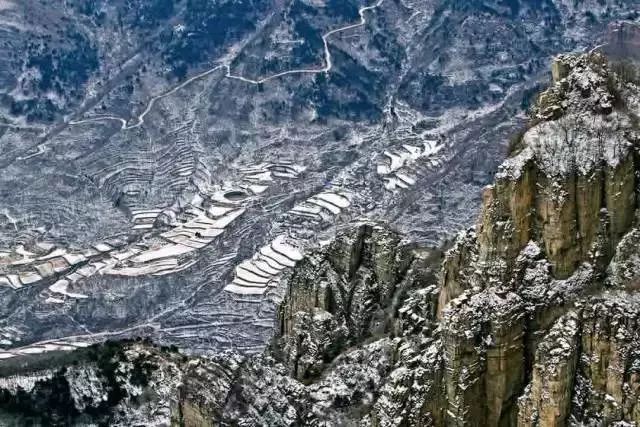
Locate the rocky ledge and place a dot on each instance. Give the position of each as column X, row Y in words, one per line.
column 530, row 319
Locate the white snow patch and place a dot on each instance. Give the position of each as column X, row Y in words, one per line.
column 167, row 251
column 288, row 250
column 60, row 287
column 335, row 199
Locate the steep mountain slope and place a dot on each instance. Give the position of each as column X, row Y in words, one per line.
column 530, row 320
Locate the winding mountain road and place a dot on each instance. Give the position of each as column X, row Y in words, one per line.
column 325, row 69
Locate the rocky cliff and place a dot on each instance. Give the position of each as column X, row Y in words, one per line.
column 521, row 311
column 530, row 319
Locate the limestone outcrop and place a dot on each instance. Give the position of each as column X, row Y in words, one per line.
column 547, row 399
column 557, row 226
column 340, row 296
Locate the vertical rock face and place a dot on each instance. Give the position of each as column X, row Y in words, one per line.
column 620, row 186
column 586, row 367
column 557, row 215
column 559, row 70
column 589, row 195
column 610, row 360
column 506, row 222
column 340, row 296
column 570, row 169
column 192, row 407
column 484, row 349
column 560, row 210
column 624, row 271
column 547, row 398
column 459, row 269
